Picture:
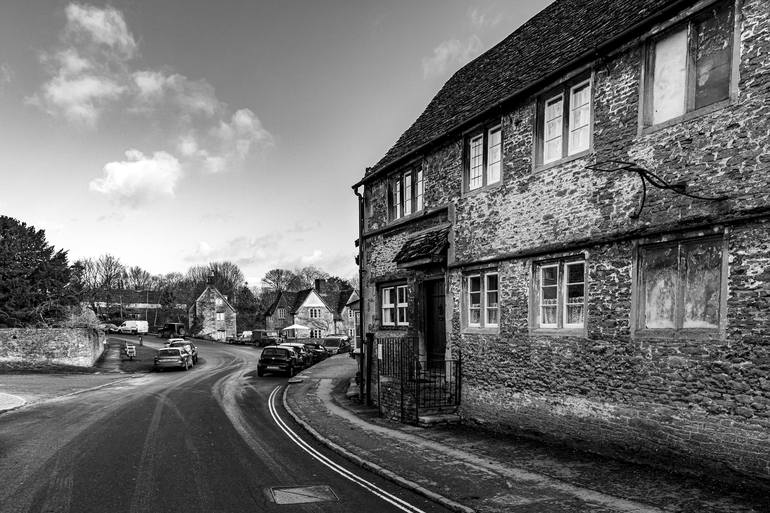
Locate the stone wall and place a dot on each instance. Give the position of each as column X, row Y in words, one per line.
column 31, row 348
column 688, row 402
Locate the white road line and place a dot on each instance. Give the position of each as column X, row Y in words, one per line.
column 379, row 492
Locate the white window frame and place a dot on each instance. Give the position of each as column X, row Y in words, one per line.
column 220, row 316
column 483, row 307
column 406, row 192
column 564, row 94
column 281, row 313
column 218, row 301
column 314, row 313
column 390, row 301
column 315, row 333
column 480, row 171
column 561, row 266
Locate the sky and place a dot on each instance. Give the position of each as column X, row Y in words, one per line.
column 172, row 133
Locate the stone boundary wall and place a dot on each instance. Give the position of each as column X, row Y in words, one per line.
column 43, row 347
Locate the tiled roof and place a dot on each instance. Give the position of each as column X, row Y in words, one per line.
column 299, row 298
column 556, row 37
column 431, row 245
column 285, row 298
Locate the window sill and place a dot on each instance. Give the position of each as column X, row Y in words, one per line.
column 477, row 330
column 564, row 160
column 387, row 327
column 558, row 332
column 485, row 188
column 682, row 334
column 703, row 111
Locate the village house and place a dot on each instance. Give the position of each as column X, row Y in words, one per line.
column 582, row 216
column 323, row 310
column 212, row 315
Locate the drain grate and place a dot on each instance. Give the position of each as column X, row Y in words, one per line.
column 303, row 494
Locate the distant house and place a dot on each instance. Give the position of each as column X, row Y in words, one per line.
column 212, row 315
column 135, row 304
column 323, row 310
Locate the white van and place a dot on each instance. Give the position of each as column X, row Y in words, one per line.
column 133, row 327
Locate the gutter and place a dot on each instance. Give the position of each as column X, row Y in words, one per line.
column 364, row 391
column 605, row 48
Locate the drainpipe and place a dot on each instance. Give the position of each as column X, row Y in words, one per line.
column 364, row 382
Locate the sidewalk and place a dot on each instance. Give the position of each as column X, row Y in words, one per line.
column 472, row 470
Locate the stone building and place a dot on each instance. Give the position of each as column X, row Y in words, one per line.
column 582, row 213
column 322, row 309
column 213, row 315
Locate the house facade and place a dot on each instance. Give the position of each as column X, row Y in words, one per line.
column 212, row 316
column 321, row 309
column 583, row 213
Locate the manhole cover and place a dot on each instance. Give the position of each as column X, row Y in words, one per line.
column 303, row 494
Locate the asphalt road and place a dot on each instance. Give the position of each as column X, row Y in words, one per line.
column 212, row 439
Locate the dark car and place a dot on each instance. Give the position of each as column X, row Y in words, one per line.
column 336, row 345
column 278, row 359
column 303, row 352
column 173, row 329
column 173, row 357
column 186, row 345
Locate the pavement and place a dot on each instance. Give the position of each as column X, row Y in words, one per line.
column 468, row 469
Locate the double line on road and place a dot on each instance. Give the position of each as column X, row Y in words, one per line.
column 379, row 492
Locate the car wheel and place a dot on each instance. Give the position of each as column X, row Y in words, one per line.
column 260, row 372
column 195, row 359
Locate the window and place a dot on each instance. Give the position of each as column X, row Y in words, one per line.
column 350, row 313
column 689, row 67
column 564, row 126
column 220, row 316
column 484, row 158
column 395, row 306
column 315, row 333
column 218, row 301
column 281, row 313
column 482, row 300
column 559, row 300
column 406, row 193
column 680, row 285
column 315, row 313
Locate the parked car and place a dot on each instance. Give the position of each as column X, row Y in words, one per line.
column 108, row 327
column 173, row 357
column 186, row 345
column 264, row 338
column 317, row 351
column 278, row 359
column 304, row 353
column 336, row 344
column 133, row 327
column 173, row 329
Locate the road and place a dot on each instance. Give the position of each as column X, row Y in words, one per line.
column 212, row 439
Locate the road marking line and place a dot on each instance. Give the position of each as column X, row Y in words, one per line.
column 379, row 492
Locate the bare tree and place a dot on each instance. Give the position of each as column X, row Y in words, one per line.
column 138, row 279
column 278, row 279
column 307, row 276
column 110, row 272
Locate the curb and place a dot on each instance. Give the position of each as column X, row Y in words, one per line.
column 373, row 467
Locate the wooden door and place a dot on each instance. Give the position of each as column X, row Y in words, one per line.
column 435, row 326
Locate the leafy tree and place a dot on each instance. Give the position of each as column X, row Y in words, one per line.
column 35, row 284
column 247, row 308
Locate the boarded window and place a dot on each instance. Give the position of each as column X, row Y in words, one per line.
column 681, row 284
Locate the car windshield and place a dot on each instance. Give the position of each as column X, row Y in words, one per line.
column 168, row 352
column 179, row 344
column 332, row 342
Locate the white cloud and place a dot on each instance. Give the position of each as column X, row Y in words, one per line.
column 482, row 19
column 105, row 27
column 6, row 75
column 93, row 72
column 139, row 178
column 451, row 53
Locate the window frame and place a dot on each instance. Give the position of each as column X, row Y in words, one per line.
column 561, row 326
column 565, row 92
column 484, row 133
column 408, row 181
column 281, row 313
column 685, row 21
column 638, row 300
column 484, row 325
column 219, row 317
column 396, row 306
column 315, row 312
column 314, row 331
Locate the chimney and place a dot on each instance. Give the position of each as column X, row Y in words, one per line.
column 319, row 285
